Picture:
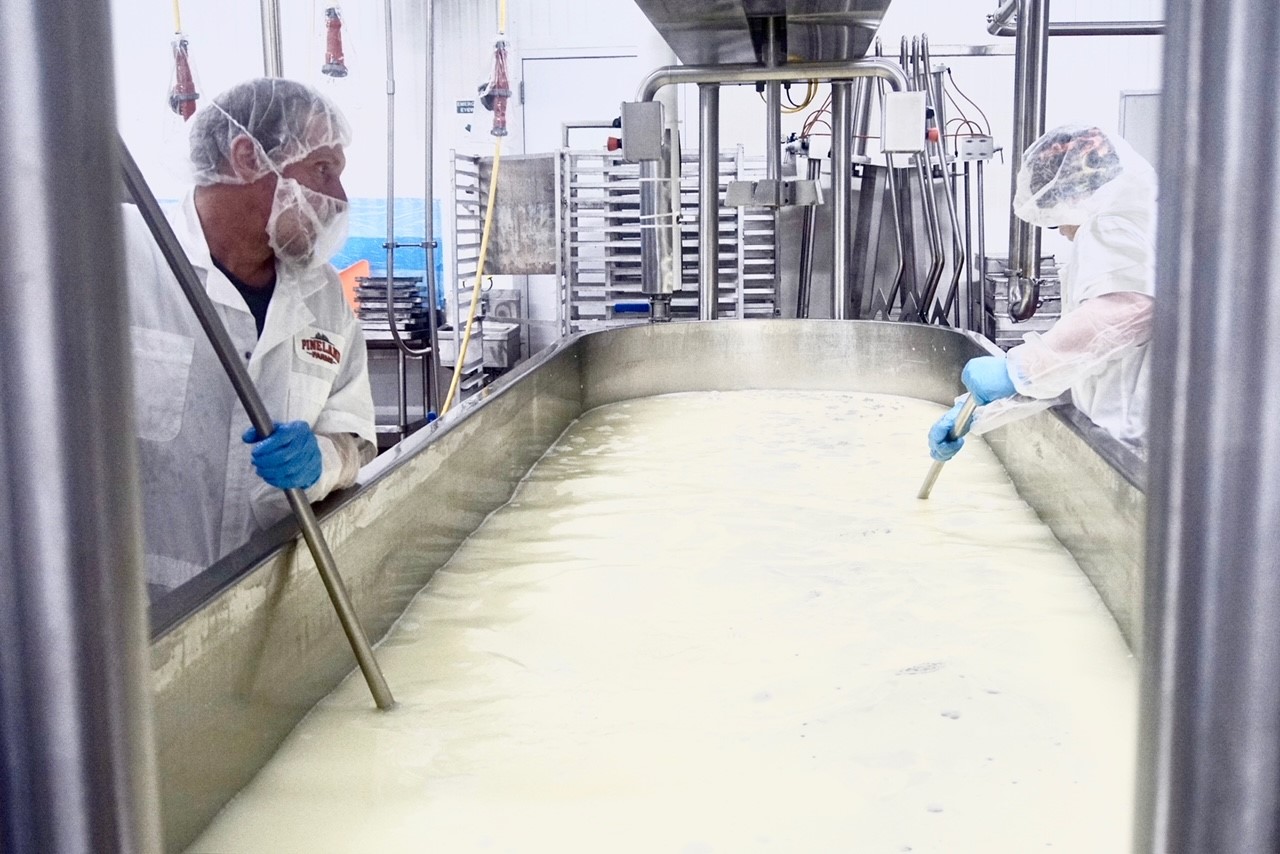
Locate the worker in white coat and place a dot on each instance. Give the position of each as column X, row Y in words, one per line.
column 1101, row 195
column 267, row 212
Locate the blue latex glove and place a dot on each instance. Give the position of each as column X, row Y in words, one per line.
column 987, row 378
column 939, row 448
column 289, row 458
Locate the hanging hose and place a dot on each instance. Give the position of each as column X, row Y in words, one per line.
column 500, row 90
column 335, row 62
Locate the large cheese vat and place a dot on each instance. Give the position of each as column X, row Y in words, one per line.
column 243, row 652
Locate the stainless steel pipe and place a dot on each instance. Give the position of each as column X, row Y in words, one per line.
column 808, row 238
column 744, row 74
column 1030, row 79
column 843, row 305
column 708, row 201
column 431, row 362
column 77, row 763
column 741, row 74
column 259, row 417
column 272, row 47
column 1210, row 744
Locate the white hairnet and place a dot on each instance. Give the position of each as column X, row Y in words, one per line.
column 1074, row 172
column 287, row 120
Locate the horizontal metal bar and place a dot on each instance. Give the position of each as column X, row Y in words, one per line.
column 744, row 74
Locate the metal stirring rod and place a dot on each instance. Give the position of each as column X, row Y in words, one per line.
column 259, row 418
column 963, row 417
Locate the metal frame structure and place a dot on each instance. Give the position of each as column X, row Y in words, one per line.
column 601, row 230
column 1210, row 744
column 842, row 167
column 77, row 762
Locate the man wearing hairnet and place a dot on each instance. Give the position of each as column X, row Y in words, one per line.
column 267, row 212
column 1101, row 195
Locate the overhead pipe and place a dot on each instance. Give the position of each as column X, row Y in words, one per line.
column 1003, row 22
column 733, row 75
column 1030, row 78
column 77, row 755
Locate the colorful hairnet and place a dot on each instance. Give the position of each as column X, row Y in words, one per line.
column 1074, row 172
column 287, row 119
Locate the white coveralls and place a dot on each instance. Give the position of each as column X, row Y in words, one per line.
column 201, row 495
column 1099, row 350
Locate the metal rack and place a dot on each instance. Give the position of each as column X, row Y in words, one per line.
column 600, row 242
column 469, row 198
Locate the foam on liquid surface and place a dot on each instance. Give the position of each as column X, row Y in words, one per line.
column 723, row 622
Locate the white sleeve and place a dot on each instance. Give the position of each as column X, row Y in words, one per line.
column 341, row 455
column 1081, row 344
column 1006, row 410
column 349, row 408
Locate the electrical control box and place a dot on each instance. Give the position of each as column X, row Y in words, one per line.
column 903, row 128
column 975, row 147
column 641, row 131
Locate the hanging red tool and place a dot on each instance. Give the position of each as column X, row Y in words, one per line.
column 183, row 94
column 494, row 94
column 335, row 64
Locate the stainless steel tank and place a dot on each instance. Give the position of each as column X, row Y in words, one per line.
column 247, row 649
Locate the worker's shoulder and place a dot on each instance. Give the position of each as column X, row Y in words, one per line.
column 324, row 296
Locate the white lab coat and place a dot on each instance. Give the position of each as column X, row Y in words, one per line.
column 201, row 495
column 1100, row 350
column 1114, row 254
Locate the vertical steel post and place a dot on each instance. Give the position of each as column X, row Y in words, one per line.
column 1031, row 57
column 708, row 201
column 272, row 48
column 1210, row 734
column 842, row 306
column 77, row 764
column 431, row 362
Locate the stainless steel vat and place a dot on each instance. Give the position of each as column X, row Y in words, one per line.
column 243, row 652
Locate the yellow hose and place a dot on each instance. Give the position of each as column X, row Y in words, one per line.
column 484, row 248
column 475, row 291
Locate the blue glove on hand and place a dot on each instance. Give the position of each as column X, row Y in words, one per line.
column 939, row 448
column 289, row 458
column 987, row 378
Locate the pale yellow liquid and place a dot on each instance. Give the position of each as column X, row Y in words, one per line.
column 725, row 623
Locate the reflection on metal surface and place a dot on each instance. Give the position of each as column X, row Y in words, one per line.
column 524, row 240
column 715, row 31
column 242, row 670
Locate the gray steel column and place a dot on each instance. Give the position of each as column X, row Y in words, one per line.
column 1031, row 60
column 272, row 51
column 708, row 201
column 841, row 197
column 861, row 117
column 77, row 764
column 1210, row 734
column 432, row 361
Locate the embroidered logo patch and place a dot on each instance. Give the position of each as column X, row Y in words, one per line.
column 320, row 348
